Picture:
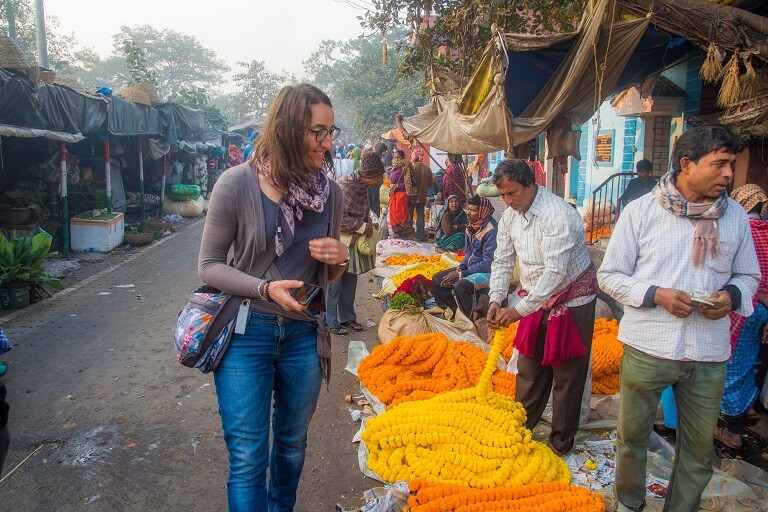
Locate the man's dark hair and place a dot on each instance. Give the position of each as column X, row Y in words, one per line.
column 380, row 148
column 474, row 200
column 644, row 165
column 516, row 170
column 697, row 142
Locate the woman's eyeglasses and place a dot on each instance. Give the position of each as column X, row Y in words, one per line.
column 322, row 133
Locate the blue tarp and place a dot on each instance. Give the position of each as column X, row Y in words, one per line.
column 656, row 51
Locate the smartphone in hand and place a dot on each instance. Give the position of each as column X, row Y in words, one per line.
column 305, row 294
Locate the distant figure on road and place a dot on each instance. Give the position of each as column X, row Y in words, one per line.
column 279, row 207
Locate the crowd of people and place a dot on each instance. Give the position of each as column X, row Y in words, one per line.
column 685, row 262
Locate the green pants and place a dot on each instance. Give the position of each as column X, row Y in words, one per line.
column 698, row 389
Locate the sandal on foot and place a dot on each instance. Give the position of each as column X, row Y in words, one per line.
column 339, row 331
column 721, row 436
column 353, row 326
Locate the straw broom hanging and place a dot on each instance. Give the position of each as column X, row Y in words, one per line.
column 748, row 81
column 730, row 89
column 712, row 67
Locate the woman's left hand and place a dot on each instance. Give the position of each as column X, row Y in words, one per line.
column 328, row 250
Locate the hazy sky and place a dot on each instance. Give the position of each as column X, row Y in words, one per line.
column 282, row 33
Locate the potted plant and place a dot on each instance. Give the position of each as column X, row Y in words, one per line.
column 21, row 268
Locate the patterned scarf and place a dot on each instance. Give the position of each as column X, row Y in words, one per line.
column 486, row 210
column 706, row 234
column 311, row 196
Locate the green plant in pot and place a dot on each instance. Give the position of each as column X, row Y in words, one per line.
column 21, row 269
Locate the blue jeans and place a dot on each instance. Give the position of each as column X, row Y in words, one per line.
column 276, row 359
column 698, row 389
column 340, row 301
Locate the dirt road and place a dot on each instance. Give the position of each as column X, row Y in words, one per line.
column 113, row 423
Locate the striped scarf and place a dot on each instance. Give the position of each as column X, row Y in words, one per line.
column 706, row 234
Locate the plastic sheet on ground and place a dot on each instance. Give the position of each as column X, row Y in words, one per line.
column 738, row 486
column 355, row 353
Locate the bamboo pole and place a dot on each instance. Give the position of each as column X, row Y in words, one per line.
column 64, row 200
column 141, row 177
column 108, row 174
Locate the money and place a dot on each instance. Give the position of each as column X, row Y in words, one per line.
column 701, row 297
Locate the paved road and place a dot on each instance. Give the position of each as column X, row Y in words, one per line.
column 113, row 423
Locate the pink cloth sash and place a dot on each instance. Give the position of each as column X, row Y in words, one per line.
column 562, row 340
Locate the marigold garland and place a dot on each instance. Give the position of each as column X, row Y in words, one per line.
column 600, row 232
column 408, row 259
column 419, row 367
column 551, row 496
column 425, row 269
column 607, row 352
column 473, row 437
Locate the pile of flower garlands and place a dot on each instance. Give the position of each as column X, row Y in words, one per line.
column 602, row 231
column 407, row 259
column 543, row 497
column 473, row 437
column 607, row 352
column 419, row 367
column 426, row 269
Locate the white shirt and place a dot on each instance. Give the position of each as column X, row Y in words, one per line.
column 550, row 244
column 652, row 246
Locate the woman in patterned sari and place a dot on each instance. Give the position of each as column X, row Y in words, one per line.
column 451, row 223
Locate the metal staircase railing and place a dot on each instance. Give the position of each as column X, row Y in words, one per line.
column 609, row 192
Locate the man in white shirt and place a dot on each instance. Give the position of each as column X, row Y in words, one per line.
column 679, row 259
column 558, row 288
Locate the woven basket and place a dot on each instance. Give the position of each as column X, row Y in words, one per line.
column 158, row 225
column 134, row 95
column 138, row 238
column 47, row 76
column 149, row 89
column 69, row 83
column 10, row 54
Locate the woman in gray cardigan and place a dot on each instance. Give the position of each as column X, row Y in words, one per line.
column 279, row 205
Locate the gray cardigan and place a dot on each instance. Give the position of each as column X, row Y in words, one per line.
column 235, row 219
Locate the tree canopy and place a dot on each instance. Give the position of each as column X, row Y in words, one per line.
column 367, row 92
column 177, row 60
column 453, row 33
column 257, row 86
column 197, row 97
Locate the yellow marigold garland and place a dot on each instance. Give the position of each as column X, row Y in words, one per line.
column 425, row 269
column 607, row 352
column 473, row 437
column 419, row 367
column 543, row 497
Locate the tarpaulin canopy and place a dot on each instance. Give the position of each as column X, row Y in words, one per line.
column 15, row 131
column 127, row 118
column 565, row 75
column 183, row 123
column 48, row 107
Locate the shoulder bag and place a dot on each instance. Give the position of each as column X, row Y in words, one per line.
column 205, row 325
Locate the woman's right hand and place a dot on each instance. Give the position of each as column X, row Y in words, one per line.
column 280, row 294
column 368, row 228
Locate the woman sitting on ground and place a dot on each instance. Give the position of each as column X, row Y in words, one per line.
column 450, row 226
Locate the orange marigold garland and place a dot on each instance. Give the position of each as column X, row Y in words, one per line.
column 474, row 437
column 419, row 367
column 607, row 352
column 553, row 496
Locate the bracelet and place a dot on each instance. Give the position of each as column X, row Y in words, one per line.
column 266, row 291
column 345, row 262
column 259, row 290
